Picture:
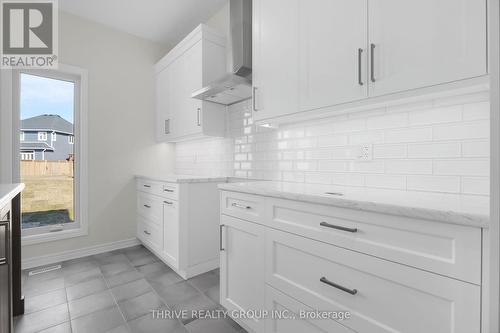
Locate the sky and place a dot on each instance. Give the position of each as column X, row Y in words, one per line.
column 40, row 95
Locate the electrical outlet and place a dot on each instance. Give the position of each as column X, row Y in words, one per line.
column 365, row 153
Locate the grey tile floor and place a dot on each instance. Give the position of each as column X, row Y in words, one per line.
column 116, row 292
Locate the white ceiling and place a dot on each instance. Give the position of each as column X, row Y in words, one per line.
column 163, row 21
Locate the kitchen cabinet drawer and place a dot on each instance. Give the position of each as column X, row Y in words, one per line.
column 165, row 190
column 281, row 304
column 447, row 249
column 244, row 206
column 150, row 207
column 170, row 190
column 380, row 295
column 148, row 186
column 150, row 234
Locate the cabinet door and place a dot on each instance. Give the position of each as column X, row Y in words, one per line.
column 426, row 42
column 163, row 106
column 190, row 111
column 242, row 268
column 275, row 58
column 332, row 52
column 171, row 232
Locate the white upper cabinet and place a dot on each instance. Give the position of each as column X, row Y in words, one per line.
column 196, row 61
column 275, row 57
column 314, row 54
column 425, row 42
column 332, row 52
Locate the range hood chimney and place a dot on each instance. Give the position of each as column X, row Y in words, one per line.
column 237, row 85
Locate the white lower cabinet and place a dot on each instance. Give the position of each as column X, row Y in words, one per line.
column 171, row 232
column 285, row 314
column 242, row 268
column 273, row 260
column 179, row 222
column 381, row 296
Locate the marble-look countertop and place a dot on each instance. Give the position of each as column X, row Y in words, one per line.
column 174, row 178
column 449, row 208
column 8, row 192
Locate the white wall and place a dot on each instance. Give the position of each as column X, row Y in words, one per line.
column 121, row 127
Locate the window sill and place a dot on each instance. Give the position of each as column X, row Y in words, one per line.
column 53, row 236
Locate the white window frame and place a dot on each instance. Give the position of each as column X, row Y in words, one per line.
column 21, row 136
column 53, row 136
column 42, row 136
column 71, row 139
column 79, row 227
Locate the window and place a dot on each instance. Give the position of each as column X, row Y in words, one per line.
column 42, row 136
column 21, row 137
column 28, row 156
column 55, row 176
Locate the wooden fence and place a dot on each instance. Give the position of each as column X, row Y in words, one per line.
column 46, row 168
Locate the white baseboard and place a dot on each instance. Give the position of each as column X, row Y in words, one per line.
column 78, row 253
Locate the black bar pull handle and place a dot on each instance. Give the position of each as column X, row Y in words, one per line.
column 338, row 286
column 338, row 227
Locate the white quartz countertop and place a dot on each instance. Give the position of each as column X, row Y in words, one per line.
column 8, row 192
column 174, row 178
column 450, row 208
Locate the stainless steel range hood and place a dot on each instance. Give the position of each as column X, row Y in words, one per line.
column 237, row 85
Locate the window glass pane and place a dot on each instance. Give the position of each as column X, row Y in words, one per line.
column 47, row 157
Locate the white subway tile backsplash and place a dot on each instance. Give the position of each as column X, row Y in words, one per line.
column 450, row 184
column 462, row 167
column 386, row 181
column 436, row 116
column 333, row 166
column 476, row 149
column 409, row 167
column 348, row 179
column 392, row 120
column 467, row 130
column 318, row 178
column 476, row 185
column 434, row 150
column 390, row 151
column 366, row 137
column 367, row 166
column 475, row 111
column 409, row 135
column 439, row 145
column 332, row 140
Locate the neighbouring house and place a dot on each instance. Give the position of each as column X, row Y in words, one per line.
column 46, row 137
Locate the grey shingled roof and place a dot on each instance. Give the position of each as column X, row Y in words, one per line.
column 48, row 122
column 35, row 146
